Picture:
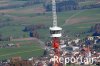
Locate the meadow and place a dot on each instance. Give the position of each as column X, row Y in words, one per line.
column 26, row 50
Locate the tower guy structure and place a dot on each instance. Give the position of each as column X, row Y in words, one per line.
column 55, row 32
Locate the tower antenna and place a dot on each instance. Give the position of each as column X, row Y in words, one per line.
column 54, row 12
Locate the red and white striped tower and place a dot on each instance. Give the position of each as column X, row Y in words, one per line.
column 55, row 33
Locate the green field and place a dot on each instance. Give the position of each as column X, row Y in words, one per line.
column 87, row 3
column 27, row 49
column 14, row 19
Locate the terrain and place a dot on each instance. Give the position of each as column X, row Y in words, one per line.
column 14, row 20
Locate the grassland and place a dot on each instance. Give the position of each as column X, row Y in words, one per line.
column 73, row 21
column 88, row 3
column 27, row 49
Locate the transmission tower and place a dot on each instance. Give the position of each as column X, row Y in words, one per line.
column 55, row 33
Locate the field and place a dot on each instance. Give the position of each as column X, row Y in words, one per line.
column 88, row 3
column 14, row 21
column 26, row 50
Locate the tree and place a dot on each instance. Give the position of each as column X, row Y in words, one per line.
column 0, row 37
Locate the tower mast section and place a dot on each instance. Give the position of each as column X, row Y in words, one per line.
column 54, row 13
